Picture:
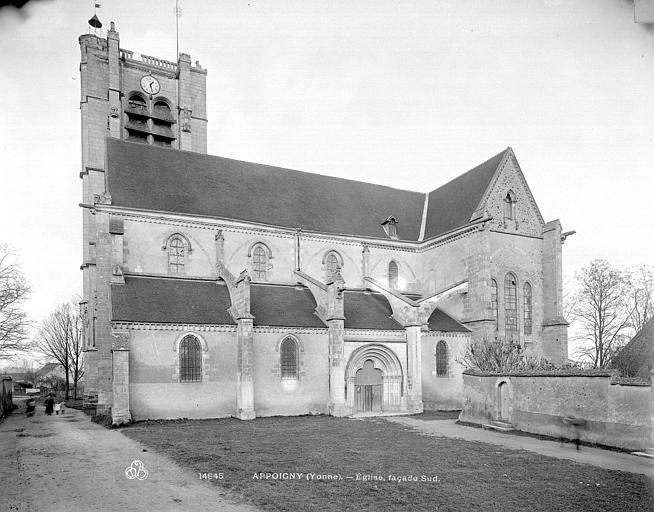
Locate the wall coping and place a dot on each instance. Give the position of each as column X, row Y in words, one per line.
column 543, row 373
column 631, row 381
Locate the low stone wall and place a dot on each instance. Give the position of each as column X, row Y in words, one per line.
column 6, row 402
column 614, row 412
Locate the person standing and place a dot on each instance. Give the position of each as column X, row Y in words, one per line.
column 49, row 405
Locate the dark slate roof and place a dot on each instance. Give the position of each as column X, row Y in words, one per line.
column 368, row 310
column 170, row 300
column 283, row 305
column 441, row 321
column 636, row 359
column 155, row 178
column 452, row 205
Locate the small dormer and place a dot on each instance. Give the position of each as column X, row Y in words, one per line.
column 390, row 226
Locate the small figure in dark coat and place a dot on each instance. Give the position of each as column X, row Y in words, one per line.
column 49, row 405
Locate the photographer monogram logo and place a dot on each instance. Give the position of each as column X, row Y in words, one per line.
column 136, row 470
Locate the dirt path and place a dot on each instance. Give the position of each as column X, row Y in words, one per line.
column 594, row 456
column 69, row 464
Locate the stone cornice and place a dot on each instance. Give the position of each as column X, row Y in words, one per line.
column 291, row 330
column 211, row 223
column 445, row 334
column 362, row 335
column 153, row 326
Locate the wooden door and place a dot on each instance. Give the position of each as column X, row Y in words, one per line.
column 368, row 389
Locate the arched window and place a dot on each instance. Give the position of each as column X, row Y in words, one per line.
column 176, row 255
column 392, row 275
column 509, row 206
column 259, row 262
column 441, row 358
column 494, row 302
column 332, row 262
column 510, row 304
column 288, row 359
column 190, row 359
column 527, row 308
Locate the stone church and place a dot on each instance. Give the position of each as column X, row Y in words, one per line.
column 215, row 287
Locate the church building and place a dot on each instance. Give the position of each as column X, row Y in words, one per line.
column 216, row 287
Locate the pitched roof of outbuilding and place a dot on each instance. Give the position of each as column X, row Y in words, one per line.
column 48, row 367
column 636, row 358
column 442, row 322
column 161, row 179
column 170, row 300
column 368, row 310
column 452, row 205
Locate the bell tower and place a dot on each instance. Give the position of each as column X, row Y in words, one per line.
column 137, row 98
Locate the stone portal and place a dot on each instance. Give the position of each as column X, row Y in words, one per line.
column 374, row 381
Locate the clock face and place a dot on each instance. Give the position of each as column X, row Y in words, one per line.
column 150, row 84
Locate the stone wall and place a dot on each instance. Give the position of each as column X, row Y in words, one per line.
column 443, row 392
column 309, row 394
column 614, row 413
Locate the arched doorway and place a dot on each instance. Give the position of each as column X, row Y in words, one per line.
column 374, row 382
column 503, row 401
column 368, row 388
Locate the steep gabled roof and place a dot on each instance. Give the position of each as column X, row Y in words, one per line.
column 153, row 178
column 452, row 205
column 170, row 300
column 368, row 310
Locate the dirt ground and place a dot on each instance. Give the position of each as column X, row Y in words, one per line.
column 69, row 464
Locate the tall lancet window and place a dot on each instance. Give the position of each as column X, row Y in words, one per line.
column 259, row 262
column 509, row 207
column 441, row 358
column 190, row 359
column 494, row 302
column 288, row 355
column 527, row 307
column 510, row 305
column 393, row 274
column 176, row 255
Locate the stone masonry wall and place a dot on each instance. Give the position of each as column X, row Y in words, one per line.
column 615, row 415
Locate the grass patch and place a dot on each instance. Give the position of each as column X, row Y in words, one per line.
column 471, row 475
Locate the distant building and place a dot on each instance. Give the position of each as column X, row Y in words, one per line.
column 636, row 358
column 47, row 371
column 216, row 287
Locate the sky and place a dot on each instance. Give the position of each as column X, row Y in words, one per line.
column 408, row 94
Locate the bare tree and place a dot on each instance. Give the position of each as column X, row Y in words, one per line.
column 60, row 337
column 640, row 299
column 14, row 292
column 600, row 311
column 76, row 347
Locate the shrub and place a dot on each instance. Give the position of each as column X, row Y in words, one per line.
column 499, row 356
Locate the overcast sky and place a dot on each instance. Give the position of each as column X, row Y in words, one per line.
column 403, row 93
